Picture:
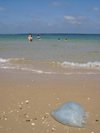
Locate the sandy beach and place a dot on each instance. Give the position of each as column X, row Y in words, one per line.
column 26, row 100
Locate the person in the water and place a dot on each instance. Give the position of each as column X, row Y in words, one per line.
column 65, row 40
column 38, row 37
column 30, row 37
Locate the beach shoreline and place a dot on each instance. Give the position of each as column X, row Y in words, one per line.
column 27, row 99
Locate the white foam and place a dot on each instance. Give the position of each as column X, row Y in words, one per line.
column 9, row 64
column 95, row 64
column 10, row 59
column 4, row 60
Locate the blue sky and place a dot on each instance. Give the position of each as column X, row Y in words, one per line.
column 49, row 16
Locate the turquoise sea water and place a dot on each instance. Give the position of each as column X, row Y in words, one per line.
column 48, row 55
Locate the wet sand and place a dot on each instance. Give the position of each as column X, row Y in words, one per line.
column 26, row 100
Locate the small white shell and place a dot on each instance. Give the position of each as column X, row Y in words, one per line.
column 33, row 124
column 27, row 101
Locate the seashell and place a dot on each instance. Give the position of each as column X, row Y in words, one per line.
column 53, row 129
column 47, row 113
column 27, row 101
column 6, row 118
column 32, row 123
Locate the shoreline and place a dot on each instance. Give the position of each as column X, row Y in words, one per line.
column 49, row 67
column 27, row 99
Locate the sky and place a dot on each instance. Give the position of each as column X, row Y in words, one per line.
column 49, row 16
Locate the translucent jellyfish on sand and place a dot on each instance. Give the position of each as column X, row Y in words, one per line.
column 71, row 114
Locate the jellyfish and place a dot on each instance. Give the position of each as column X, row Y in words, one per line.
column 71, row 114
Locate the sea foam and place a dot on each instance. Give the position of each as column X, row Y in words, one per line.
column 28, row 65
column 95, row 64
column 4, row 60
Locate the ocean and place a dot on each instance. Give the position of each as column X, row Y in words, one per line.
column 79, row 55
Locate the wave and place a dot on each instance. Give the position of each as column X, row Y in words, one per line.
column 43, row 67
column 63, row 64
column 95, row 64
column 13, row 60
column 4, row 60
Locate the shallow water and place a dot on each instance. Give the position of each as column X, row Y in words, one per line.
column 81, row 51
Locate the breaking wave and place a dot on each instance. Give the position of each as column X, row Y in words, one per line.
column 95, row 64
column 28, row 65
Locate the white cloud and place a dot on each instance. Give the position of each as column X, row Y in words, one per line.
column 69, row 17
column 2, row 9
column 96, row 9
column 76, row 20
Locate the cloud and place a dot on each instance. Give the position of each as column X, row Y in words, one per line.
column 2, row 9
column 96, row 9
column 69, row 17
column 76, row 20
